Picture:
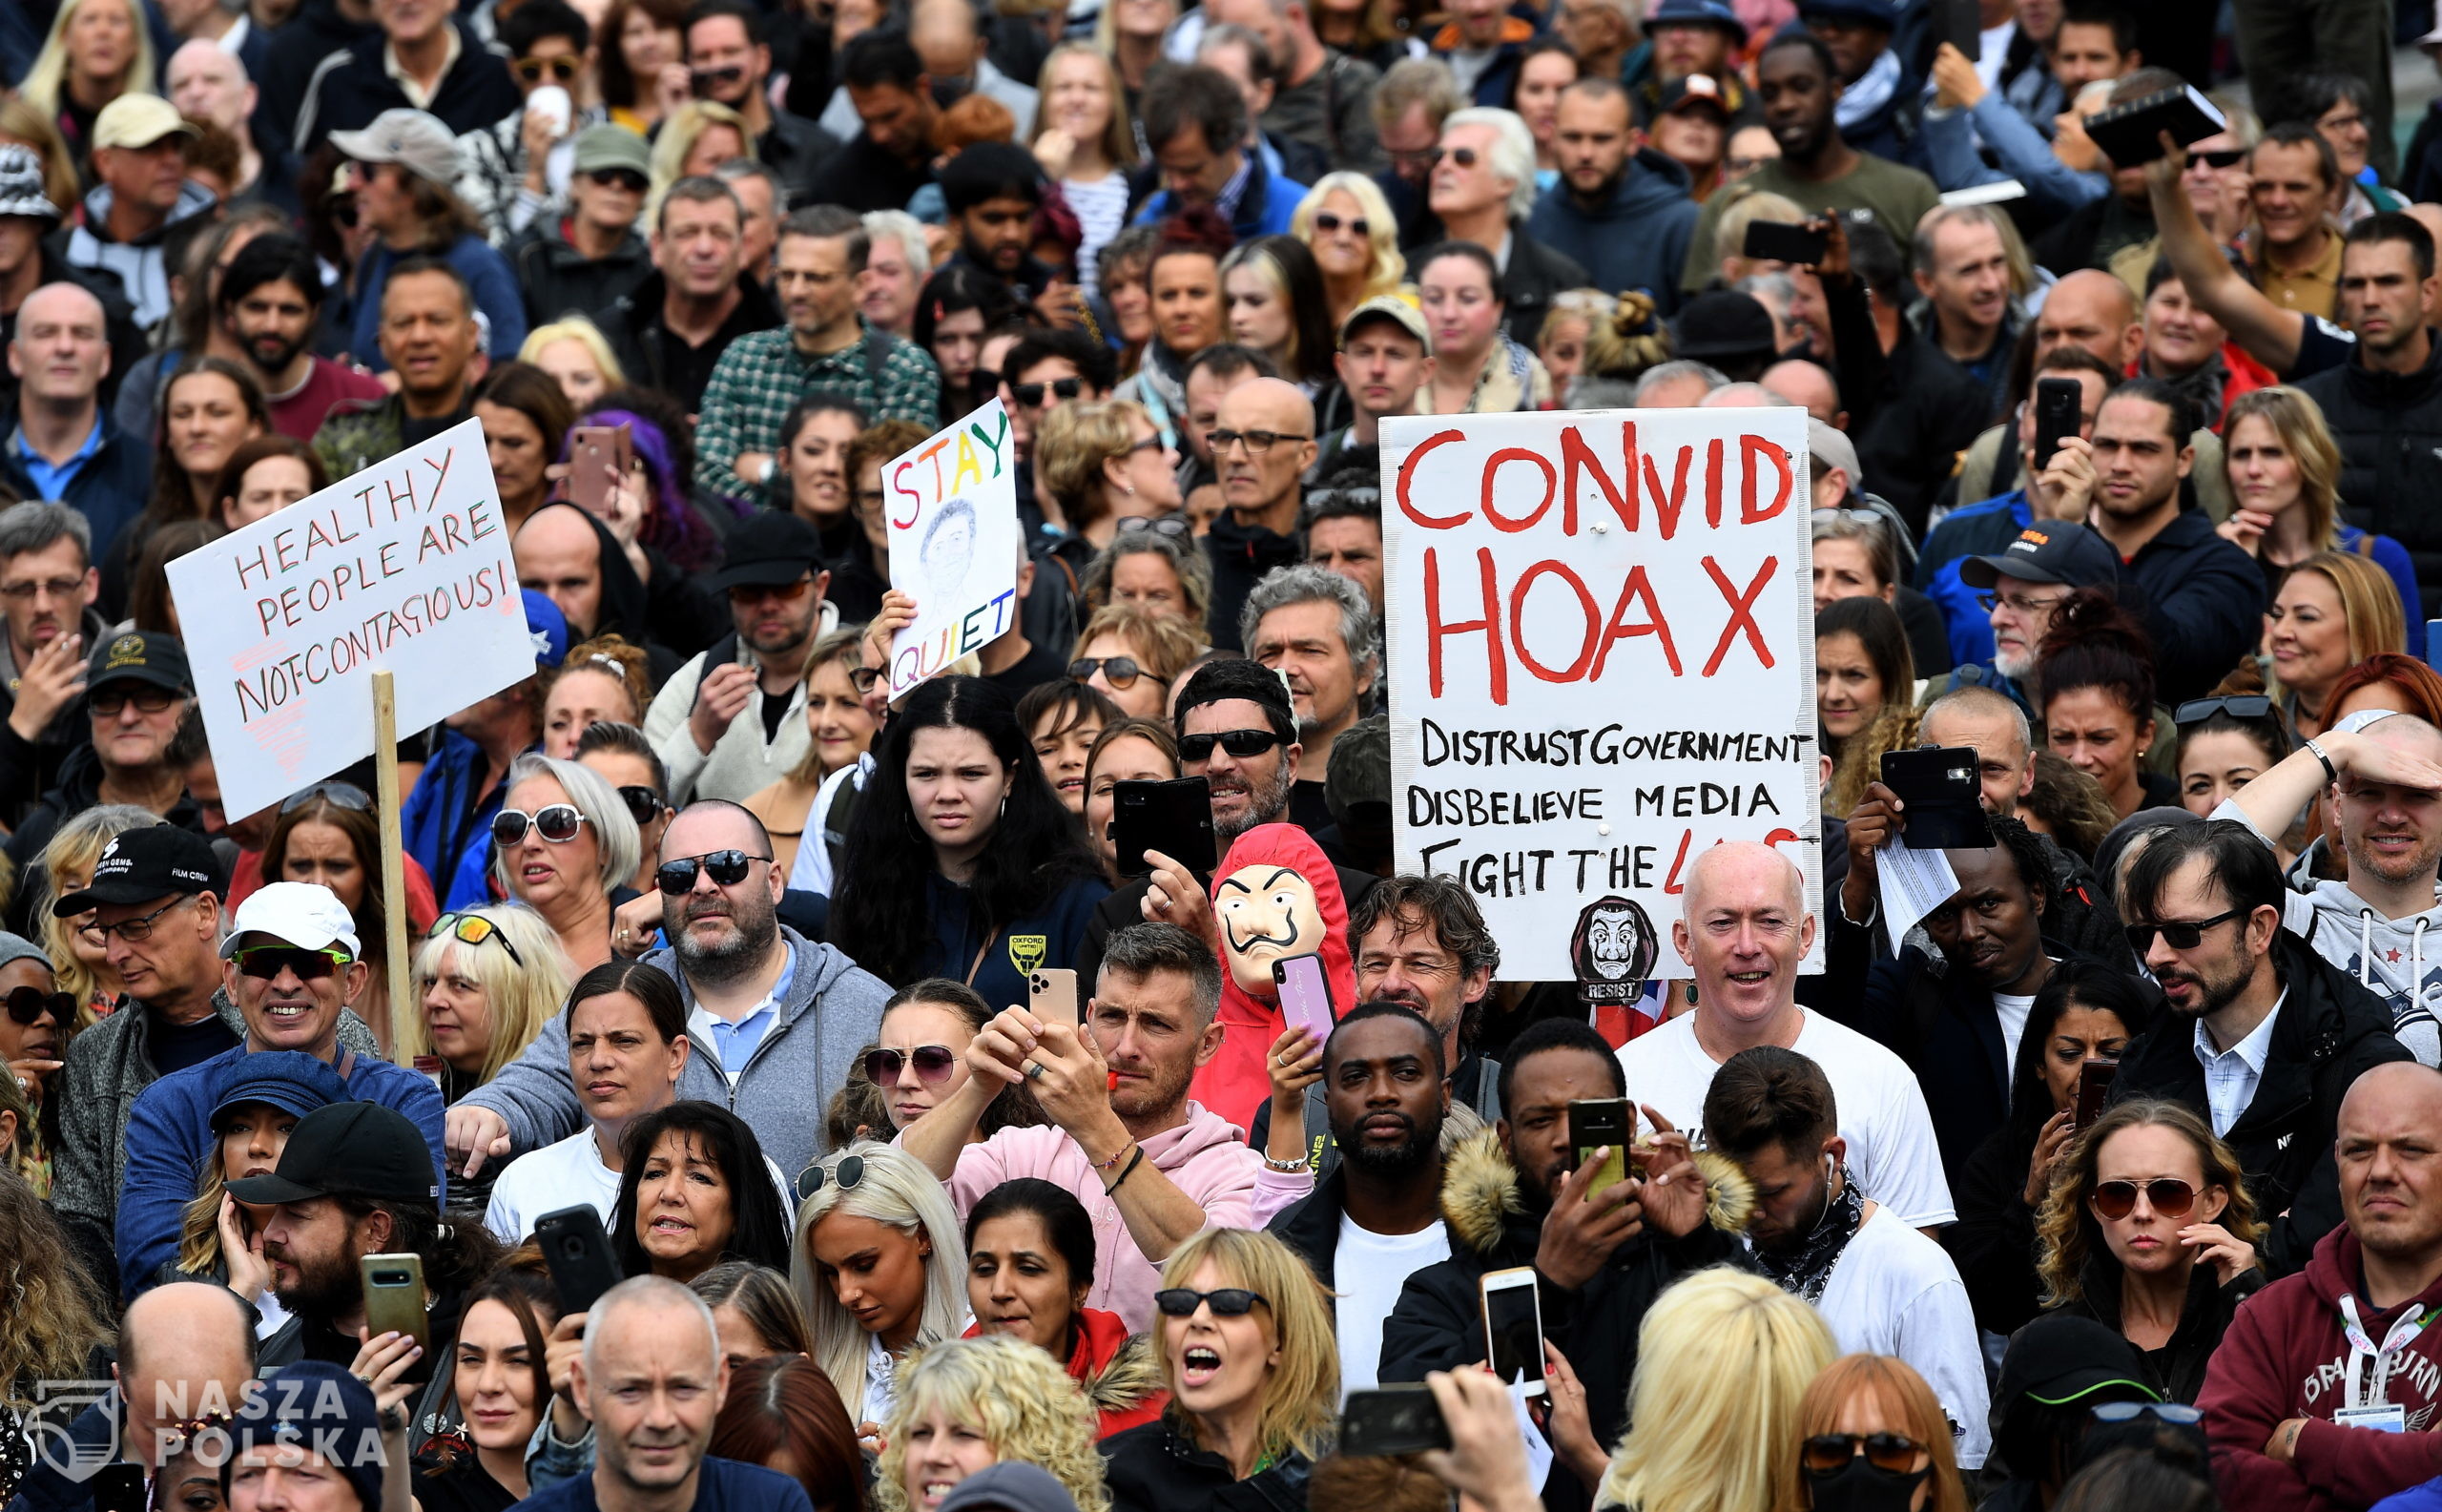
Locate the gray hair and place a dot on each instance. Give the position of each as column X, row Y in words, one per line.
column 1973, row 700
column 1303, row 584
column 38, row 524
column 738, row 170
column 614, row 829
column 905, row 229
column 1141, row 949
column 1662, row 374
column 647, row 1291
column 1513, row 152
column 1777, row 291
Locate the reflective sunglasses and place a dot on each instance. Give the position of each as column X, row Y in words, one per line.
column 644, row 804
column 563, row 71
column 627, row 178
column 112, row 702
column 2170, row 1196
column 556, row 822
column 2180, row 934
column 1228, row 1301
column 934, row 1063
column 2238, row 706
column 266, row 962
column 1827, row 1454
column 1121, row 671
column 1327, row 222
column 2220, row 157
column 474, row 929
column 28, row 1005
column 726, row 869
column 1031, row 395
column 1173, row 525
column 1240, row 743
column 2174, row 1412
column 850, row 1170
column 338, row 795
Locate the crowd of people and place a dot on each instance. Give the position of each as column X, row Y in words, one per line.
column 734, row 1140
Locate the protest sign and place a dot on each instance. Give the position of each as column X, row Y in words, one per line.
column 952, row 508
column 404, row 568
column 1601, row 662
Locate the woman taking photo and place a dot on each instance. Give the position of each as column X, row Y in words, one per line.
column 1029, row 1264
column 603, row 680
column 328, row 834
column 574, row 353
column 1476, row 370
column 1246, row 1351
column 649, row 509
column 956, row 310
column 264, row 476
column 994, row 855
column 1355, row 237
column 410, row 216
column 1871, row 1434
column 876, row 1267
column 2285, row 480
column 1275, row 294
column 1086, row 145
column 1061, row 721
column 1132, row 750
column 2148, row 1230
column 2095, row 669
column 526, row 417
column 1134, row 656
column 2333, row 612
column 783, row 1413
column 695, row 1189
column 486, row 979
column 966, row 1403
column 920, row 1058
column 839, row 732
column 1865, row 694
column 1104, row 463
column 562, row 841
column 1154, row 569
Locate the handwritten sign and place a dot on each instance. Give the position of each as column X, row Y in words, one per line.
column 952, row 506
column 402, row 567
column 1602, row 660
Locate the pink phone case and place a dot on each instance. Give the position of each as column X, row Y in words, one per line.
column 1305, row 994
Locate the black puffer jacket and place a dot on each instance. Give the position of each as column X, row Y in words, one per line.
column 2389, row 430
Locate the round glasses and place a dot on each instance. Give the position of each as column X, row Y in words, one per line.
column 556, row 822
column 934, row 1063
column 2167, row 1195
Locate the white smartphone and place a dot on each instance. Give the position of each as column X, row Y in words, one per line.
column 1514, row 1328
column 554, row 102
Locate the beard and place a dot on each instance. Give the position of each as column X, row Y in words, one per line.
column 1410, row 1156
column 1267, row 803
column 2214, row 992
column 272, row 354
column 325, row 1285
column 754, row 926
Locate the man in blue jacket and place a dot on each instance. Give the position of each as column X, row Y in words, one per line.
column 1620, row 210
column 1196, row 121
column 294, row 964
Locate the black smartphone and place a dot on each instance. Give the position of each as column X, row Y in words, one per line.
column 1514, row 1328
column 1944, row 800
column 2059, row 408
column 1402, row 1417
column 2094, row 1090
column 1173, row 816
column 1779, row 242
column 1962, row 27
column 118, row 1487
column 2130, row 133
column 578, row 1252
column 1602, row 1123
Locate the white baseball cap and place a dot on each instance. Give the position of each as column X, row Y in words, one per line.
column 306, row 915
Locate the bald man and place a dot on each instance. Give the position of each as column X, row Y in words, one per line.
column 1263, row 441
column 208, row 83
column 65, row 444
column 1744, row 927
column 1809, row 386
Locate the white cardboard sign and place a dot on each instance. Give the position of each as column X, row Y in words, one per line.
column 952, row 508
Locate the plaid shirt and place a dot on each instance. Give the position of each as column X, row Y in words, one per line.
column 763, row 374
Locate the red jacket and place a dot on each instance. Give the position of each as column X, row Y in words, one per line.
column 2285, row 1356
column 1115, row 1369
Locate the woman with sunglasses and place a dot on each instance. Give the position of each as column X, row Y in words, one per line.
column 1030, row 1265
column 1061, row 720
column 877, row 1265
column 1350, row 228
column 695, row 1189
column 81, row 962
column 33, row 1042
column 1133, row 655
column 2149, row 1230
column 603, row 680
column 1245, row 1346
column 561, row 841
column 1155, row 569
column 1130, row 751
column 838, row 732
column 1872, row 1439
column 486, row 979
column 920, row 1057
column 968, row 1403
column 1105, row 463
column 328, row 834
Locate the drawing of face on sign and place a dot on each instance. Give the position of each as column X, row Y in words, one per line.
column 948, row 548
column 1267, row 911
column 1613, row 949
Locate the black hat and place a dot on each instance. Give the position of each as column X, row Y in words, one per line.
column 141, row 865
column 1698, row 13
column 1695, row 92
column 140, row 655
column 771, row 550
column 2059, row 1359
column 348, row 1150
column 2048, row 551
column 1725, row 324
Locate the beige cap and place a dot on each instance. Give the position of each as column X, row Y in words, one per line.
column 1389, row 307
column 138, row 121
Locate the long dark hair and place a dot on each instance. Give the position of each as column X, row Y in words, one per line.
column 882, row 915
column 363, row 834
column 759, row 1231
column 172, row 496
column 524, row 1286
column 2075, row 983
column 1290, row 266
column 954, row 290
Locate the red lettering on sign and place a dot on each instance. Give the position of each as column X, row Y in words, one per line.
column 1742, row 613
column 1435, row 626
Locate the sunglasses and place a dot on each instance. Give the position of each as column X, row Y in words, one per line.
column 701, row 80
column 1031, row 395
column 2220, row 157
column 934, row 1063
column 2169, row 1196
column 1827, row 1454
column 644, row 804
column 2173, row 1412
column 1228, row 1301
column 338, row 795
column 627, row 178
column 1327, row 222
column 850, row 1170
column 1463, row 156
column 2179, row 934
column 1121, row 671
column 114, row 702
column 563, row 71
column 556, row 822
column 28, row 1004
column 267, row 961
column 2238, row 706
column 474, row 929
column 1173, row 525
column 863, row 679
column 1240, row 743
column 726, row 869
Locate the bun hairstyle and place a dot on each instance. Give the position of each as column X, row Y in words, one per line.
column 2095, row 643
column 1631, row 341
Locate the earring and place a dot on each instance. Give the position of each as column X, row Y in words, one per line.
column 1128, row 488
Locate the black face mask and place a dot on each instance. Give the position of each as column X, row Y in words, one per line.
column 1860, row 1487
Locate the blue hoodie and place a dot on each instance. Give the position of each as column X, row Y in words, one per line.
column 1638, row 240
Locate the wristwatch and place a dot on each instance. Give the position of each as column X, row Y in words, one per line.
column 764, row 474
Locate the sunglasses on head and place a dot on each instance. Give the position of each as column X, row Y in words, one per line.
column 627, row 178
column 2220, row 157
column 644, row 804
column 1327, row 222
column 934, row 1063
column 2168, row 1196
column 1240, row 743
column 2238, row 706
column 338, row 795
column 1031, row 395
column 563, row 71
column 850, row 1170
column 1173, row 525
column 28, row 1004
column 1228, row 1301
column 264, row 963
column 2180, row 934
column 1121, row 671
column 1827, row 1454
column 474, row 929
column 556, row 822
column 726, row 869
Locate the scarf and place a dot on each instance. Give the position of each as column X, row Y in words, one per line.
column 1874, row 89
column 1802, row 1272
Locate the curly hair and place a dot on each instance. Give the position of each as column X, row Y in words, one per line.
column 2066, row 1230
column 2073, row 806
column 55, row 1316
column 1023, row 1401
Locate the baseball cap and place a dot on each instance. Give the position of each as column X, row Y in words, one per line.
column 1010, row 1486
column 21, row 185
column 140, row 655
column 348, row 1150
column 2060, row 1359
column 2047, row 552
column 138, row 121
column 1695, row 92
column 1387, row 308
column 1833, row 448
column 547, row 628
column 318, row 1408
column 141, row 865
column 771, row 550
column 608, row 146
column 1699, row 12
column 292, row 1081
column 306, row 915
column 414, row 139
column 1725, row 324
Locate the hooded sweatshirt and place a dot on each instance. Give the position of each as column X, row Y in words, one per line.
column 140, row 266
column 2288, row 1355
column 1259, row 899
column 1636, row 240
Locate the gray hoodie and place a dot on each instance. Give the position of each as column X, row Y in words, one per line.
column 831, row 1012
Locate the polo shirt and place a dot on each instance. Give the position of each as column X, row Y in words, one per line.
column 2312, row 290
column 50, row 480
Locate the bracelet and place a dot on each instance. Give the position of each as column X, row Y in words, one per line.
column 1117, row 1156
column 1113, row 1190
column 1287, row 1167
column 2330, row 773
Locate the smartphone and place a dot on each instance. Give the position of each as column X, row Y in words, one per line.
column 1051, row 995
column 1305, row 995
column 1962, row 27
column 1514, row 1328
column 1597, row 1123
column 1173, row 816
column 2058, row 408
column 578, row 1252
column 1944, row 799
column 394, row 1304
column 2094, row 1090
column 118, row 1487
column 1779, row 242
column 1402, row 1417
column 598, row 455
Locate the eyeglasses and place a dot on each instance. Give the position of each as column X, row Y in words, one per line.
column 1173, row 525
column 726, row 869
column 28, row 1005
column 474, row 929
column 863, row 678
column 1326, row 222
column 114, row 702
column 1463, row 156
column 868, row 500
column 2174, row 1412
column 934, row 1063
column 644, row 804
column 2220, row 157
column 1120, row 672
column 2020, row 603
column 2179, row 934
column 556, row 822
column 267, row 961
column 627, row 178
column 338, row 795
column 1031, row 395
column 1862, row 517
column 135, row 931
column 2169, row 1196
column 563, row 71
column 55, row 587
column 1827, row 1454
column 1228, row 1301
column 1746, row 165
column 1258, row 442
column 2238, row 706
column 1240, row 743
column 850, row 1170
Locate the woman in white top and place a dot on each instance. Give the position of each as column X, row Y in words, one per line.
column 1083, row 139
column 879, row 1264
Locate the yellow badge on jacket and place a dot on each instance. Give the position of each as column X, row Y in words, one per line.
column 1026, row 951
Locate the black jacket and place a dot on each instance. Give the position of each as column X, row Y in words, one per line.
column 795, row 149
column 2178, row 1366
column 350, row 87
column 1993, row 1243
column 1241, row 555
column 864, row 178
column 80, row 788
column 1311, row 1225
column 557, row 280
column 1535, row 275
column 1152, row 1467
column 2390, row 427
column 649, row 355
column 1926, row 410
column 315, row 32
column 2203, row 603
column 29, row 768
column 2329, row 1031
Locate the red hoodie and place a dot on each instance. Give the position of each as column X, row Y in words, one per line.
column 1256, row 912
column 2286, row 1355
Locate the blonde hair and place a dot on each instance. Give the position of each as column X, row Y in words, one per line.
column 1627, row 340
column 21, row 122
column 1024, row 1403
column 1723, row 1361
column 1301, row 1394
column 1904, row 1397
column 1390, row 266
column 1073, row 441
column 47, row 79
column 1163, row 644
column 2370, row 601
column 1859, row 764
column 1119, row 134
column 677, row 139
column 74, row 851
column 2297, row 423
column 2066, row 1232
column 844, row 647
column 896, row 1189
column 583, row 333
column 521, row 991
column 1746, row 205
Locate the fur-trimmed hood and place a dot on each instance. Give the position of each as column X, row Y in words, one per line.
column 1481, row 1196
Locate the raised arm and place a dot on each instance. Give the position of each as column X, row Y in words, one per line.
column 2263, row 329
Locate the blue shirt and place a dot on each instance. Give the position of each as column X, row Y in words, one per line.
column 721, row 1485
column 49, row 481
column 736, row 1043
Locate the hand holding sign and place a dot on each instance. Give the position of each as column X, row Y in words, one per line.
column 951, row 508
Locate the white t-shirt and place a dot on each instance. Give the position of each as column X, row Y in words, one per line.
column 2012, row 1012
column 1892, row 1153
column 563, row 1175
column 1369, row 1270
column 1895, row 1292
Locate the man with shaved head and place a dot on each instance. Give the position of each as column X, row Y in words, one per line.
column 2299, row 1414
column 209, row 83
column 1263, row 441
column 185, row 1351
column 64, row 444
column 1743, row 931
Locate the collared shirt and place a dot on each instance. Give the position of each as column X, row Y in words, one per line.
column 763, row 375
column 234, row 38
column 2231, row 1075
column 1236, row 190
column 735, row 1042
column 2312, row 290
column 417, row 94
column 52, row 480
